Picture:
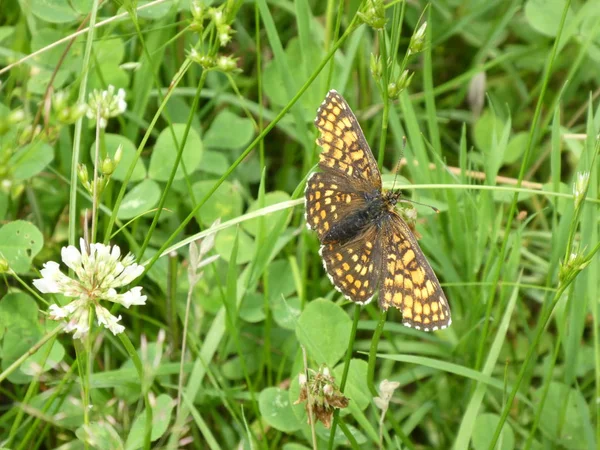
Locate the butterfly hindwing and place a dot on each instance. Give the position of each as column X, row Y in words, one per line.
column 354, row 267
column 408, row 281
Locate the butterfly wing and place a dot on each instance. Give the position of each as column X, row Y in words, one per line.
column 408, row 281
column 345, row 149
column 354, row 266
column 329, row 197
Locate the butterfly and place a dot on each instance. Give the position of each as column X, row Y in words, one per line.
column 366, row 245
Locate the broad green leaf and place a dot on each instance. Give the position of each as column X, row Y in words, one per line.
column 276, row 409
column 139, row 200
column 161, row 417
column 225, row 203
column 252, row 308
column 271, row 198
column 106, row 74
column 3, row 205
column 281, row 280
column 112, row 142
column 214, row 162
column 15, row 343
column 286, row 311
column 485, row 127
column 48, row 357
column 17, row 310
column 30, row 160
column 562, row 415
column 324, row 330
column 482, row 436
column 54, row 11
column 224, row 244
column 229, row 131
column 20, row 241
column 100, row 436
column 164, row 154
column 544, row 15
column 356, row 385
column 516, row 147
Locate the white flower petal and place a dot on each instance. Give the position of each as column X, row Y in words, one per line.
column 71, row 257
column 47, row 286
column 131, row 297
column 55, row 312
column 107, row 320
column 79, row 323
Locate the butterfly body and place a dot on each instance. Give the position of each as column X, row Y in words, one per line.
column 366, row 246
column 377, row 208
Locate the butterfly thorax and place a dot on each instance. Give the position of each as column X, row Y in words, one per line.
column 377, row 206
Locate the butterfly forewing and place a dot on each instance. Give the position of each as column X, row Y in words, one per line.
column 329, row 198
column 408, row 281
column 354, row 267
column 345, row 149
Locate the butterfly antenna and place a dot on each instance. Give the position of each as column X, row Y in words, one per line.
column 406, row 200
column 397, row 169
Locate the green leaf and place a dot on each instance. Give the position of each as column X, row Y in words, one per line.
column 229, row 131
column 286, row 312
column 484, row 129
column 139, row 200
column 281, row 280
column 225, row 203
column 15, row 343
column 544, row 15
column 112, row 142
column 324, row 330
column 100, row 436
column 516, row 147
column 563, row 416
column 252, row 308
column 271, row 220
column 54, row 11
column 17, row 310
column 356, row 385
column 45, row 358
column 30, row 160
column 276, row 410
column 482, row 437
column 214, row 162
column 20, row 241
column 165, row 153
column 224, row 244
column 161, row 417
column 3, row 205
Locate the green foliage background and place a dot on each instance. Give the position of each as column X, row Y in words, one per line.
column 500, row 116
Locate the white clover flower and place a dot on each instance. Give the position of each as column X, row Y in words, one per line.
column 99, row 272
column 109, row 104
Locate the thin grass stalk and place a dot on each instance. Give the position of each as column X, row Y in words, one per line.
column 347, row 360
column 79, row 126
column 137, row 362
column 513, row 206
column 251, row 146
column 163, row 197
column 373, row 353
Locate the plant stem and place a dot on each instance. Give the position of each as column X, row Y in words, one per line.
column 373, row 353
column 347, row 359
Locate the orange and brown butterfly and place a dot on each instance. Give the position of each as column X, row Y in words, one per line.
column 366, row 246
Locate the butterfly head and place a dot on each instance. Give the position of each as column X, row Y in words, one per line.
column 391, row 198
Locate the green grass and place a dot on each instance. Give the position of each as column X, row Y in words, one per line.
column 213, row 358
